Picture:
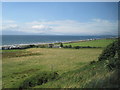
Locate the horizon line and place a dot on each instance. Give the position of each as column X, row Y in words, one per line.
column 59, row 1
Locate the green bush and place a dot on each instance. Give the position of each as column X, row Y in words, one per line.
column 113, row 64
column 77, row 47
column 109, row 51
column 92, row 62
column 67, row 46
column 38, row 79
column 61, row 45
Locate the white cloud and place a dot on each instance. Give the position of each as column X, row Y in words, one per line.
column 10, row 26
column 66, row 27
column 8, row 21
column 41, row 27
column 38, row 26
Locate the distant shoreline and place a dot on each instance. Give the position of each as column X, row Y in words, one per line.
column 36, row 40
column 75, row 41
column 55, row 42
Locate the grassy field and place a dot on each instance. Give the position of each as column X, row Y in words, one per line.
column 93, row 43
column 71, row 65
column 89, row 76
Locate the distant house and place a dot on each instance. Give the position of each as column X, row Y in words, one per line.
column 50, row 45
column 53, row 46
column 56, row 46
column 5, row 48
column 12, row 47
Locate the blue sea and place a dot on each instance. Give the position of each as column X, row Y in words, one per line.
column 38, row 39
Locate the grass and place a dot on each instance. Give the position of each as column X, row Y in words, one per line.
column 72, row 65
column 77, row 78
column 17, row 69
column 90, row 76
column 38, row 79
column 12, row 50
column 17, row 53
column 93, row 43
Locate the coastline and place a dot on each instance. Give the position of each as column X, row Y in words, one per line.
column 20, row 46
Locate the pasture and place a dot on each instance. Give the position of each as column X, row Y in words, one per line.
column 19, row 65
column 93, row 43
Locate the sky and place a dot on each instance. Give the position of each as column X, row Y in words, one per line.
column 60, row 18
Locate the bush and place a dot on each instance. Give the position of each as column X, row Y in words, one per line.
column 38, row 79
column 42, row 46
column 109, row 51
column 61, row 45
column 92, row 62
column 77, row 47
column 68, row 46
column 114, row 63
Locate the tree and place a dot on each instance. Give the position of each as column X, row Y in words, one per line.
column 70, row 46
column 61, row 45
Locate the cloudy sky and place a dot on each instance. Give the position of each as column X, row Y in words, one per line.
column 60, row 18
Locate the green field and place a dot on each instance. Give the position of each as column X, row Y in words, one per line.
column 93, row 43
column 72, row 66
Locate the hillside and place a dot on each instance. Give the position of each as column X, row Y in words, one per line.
column 60, row 68
column 97, row 74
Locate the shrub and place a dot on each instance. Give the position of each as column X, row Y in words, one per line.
column 92, row 62
column 61, row 45
column 77, row 47
column 114, row 63
column 42, row 46
column 70, row 46
column 67, row 46
column 38, row 79
column 109, row 51
column 31, row 46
